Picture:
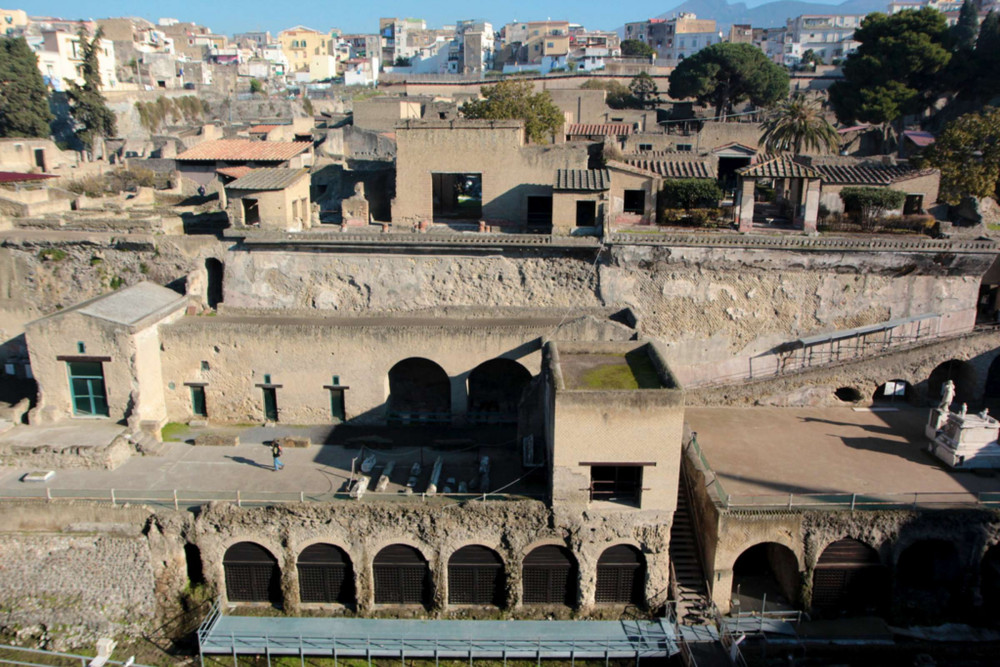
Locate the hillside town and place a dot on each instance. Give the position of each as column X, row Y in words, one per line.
column 672, row 341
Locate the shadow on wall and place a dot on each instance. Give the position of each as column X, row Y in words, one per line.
column 334, row 183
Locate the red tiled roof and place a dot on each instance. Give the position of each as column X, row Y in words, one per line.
column 607, row 129
column 244, row 150
column 779, row 167
column 234, row 172
column 261, row 129
column 673, row 168
column 868, row 174
column 921, row 139
column 17, row 177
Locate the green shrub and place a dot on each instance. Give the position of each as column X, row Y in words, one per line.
column 689, row 193
column 870, row 204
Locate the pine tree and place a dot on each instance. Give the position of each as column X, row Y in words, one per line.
column 91, row 114
column 986, row 57
column 24, row 101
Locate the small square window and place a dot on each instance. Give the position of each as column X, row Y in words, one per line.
column 336, row 381
column 267, row 378
column 80, row 347
column 204, row 366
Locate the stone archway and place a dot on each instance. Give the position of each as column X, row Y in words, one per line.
column 766, row 576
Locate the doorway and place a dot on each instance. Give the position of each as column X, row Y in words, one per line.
column 86, row 382
column 270, row 404
column 251, row 212
column 539, row 211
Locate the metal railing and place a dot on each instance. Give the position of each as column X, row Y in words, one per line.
column 720, row 492
column 176, row 499
column 17, row 651
column 863, row 501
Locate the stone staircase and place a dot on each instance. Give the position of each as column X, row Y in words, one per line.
column 693, row 606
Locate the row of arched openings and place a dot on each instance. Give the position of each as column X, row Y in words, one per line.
column 962, row 373
column 420, row 391
column 850, row 579
column 476, row 576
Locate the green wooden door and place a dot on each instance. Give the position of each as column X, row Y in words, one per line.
column 198, row 402
column 270, row 404
column 86, row 386
column 337, row 404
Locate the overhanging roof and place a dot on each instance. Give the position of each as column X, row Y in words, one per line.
column 244, row 150
column 275, row 178
column 593, row 180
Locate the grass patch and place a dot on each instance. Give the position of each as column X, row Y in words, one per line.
column 633, row 371
column 52, row 255
column 174, row 432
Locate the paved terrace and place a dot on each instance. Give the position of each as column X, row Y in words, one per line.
column 320, row 472
column 761, row 455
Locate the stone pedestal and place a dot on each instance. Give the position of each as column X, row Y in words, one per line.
column 967, row 440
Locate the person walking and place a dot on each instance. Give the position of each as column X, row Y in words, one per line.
column 276, row 453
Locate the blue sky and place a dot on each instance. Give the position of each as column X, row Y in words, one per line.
column 227, row 16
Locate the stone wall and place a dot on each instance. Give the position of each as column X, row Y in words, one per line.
column 511, row 528
column 76, row 572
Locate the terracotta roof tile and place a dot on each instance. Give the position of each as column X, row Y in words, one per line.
column 779, row 167
column 17, row 177
column 244, row 150
column 591, row 129
column 593, row 180
column 867, row 174
column 234, row 172
column 674, row 168
column 261, row 129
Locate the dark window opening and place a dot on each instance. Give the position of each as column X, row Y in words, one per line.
column 621, row 484
column 586, row 213
column 457, row 196
column 198, row 402
column 928, row 578
column 40, row 158
column 251, row 212
column 401, row 576
column 325, row 575
column 252, row 574
column 213, row 293
column 476, row 576
column 549, row 576
column 195, row 569
column 645, row 147
column 539, row 212
column 913, row 205
column 621, row 575
column 635, row 202
column 86, row 382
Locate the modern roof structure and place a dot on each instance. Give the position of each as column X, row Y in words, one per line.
column 244, row 150
column 593, row 180
column 594, row 129
column 128, row 306
column 268, row 179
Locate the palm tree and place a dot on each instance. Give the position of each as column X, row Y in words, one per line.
column 796, row 125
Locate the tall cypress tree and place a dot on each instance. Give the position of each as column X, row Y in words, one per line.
column 90, row 113
column 987, row 56
column 24, row 100
column 965, row 30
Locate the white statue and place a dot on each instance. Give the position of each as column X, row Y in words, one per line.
column 963, row 411
column 947, row 395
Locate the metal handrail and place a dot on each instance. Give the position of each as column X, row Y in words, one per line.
column 862, row 501
column 84, row 659
column 176, row 498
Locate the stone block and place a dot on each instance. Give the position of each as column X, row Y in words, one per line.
column 216, row 440
column 295, row 442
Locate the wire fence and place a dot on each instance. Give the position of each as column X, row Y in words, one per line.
column 18, row 655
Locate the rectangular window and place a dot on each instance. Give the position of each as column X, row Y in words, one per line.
column 685, row 148
column 81, row 348
column 586, row 213
column 645, row 147
column 621, row 484
column 457, row 196
column 914, row 204
column 635, row 201
column 86, row 384
column 198, row 402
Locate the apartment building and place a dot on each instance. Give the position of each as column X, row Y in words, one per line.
column 60, row 59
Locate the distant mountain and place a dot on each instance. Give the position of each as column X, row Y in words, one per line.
column 771, row 14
